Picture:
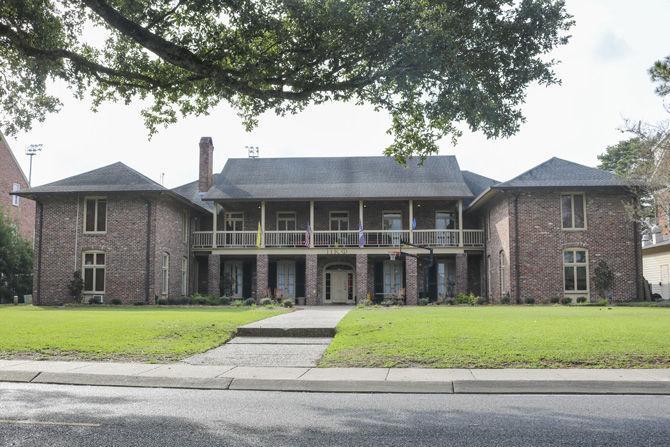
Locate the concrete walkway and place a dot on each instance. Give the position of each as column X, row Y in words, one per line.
column 350, row 380
column 295, row 339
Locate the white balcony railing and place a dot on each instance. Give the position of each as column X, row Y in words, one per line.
column 473, row 238
column 385, row 238
column 345, row 238
column 436, row 238
column 285, row 238
column 200, row 239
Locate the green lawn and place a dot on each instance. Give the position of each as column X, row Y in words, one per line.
column 503, row 337
column 119, row 333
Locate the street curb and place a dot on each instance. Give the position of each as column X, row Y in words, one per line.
column 17, row 376
column 341, row 386
column 132, row 381
column 560, row 387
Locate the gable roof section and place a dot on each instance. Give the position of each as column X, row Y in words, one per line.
column 557, row 172
column 5, row 144
column 478, row 183
column 338, row 178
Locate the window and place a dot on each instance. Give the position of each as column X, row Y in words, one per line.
column 165, row 273
column 286, row 221
column 15, row 199
column 94, row 272
column 392, row 278
column 575, row 270
column 286, row 279
column 392, row 221
column 445, row 220
column 339, row 220
column 445, row 271
column 233, row 279
column 184, row 276
column 234, row 221
column 95, row 215
column 573, row 211
column 184, row 226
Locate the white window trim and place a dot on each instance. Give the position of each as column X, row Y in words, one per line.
column 453, row 213
column 233, row 216
column 16, row 187
column 184, row 276
column 572, row 210
column 574, row 271
column 184, row 226
column 96, row 198
column 286, row 216
column 387, row 212
column 165, row 270
column 94, row 266
column 330, row 219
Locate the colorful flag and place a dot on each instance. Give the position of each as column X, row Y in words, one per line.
column 361, row 235
column 414, row 223
column 259, row 237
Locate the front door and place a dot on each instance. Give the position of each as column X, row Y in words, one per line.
column 286, row 279
column 339, row 287
column 232, row 279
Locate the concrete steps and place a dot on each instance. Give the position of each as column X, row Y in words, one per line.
column 302, row 323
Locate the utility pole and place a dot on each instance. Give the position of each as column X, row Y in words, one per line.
column 31, row 151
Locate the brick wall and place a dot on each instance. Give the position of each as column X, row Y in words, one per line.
column 497, row 228
column 169, row 239
column 22, row 215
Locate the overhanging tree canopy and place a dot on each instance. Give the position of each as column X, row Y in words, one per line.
column 430, row 63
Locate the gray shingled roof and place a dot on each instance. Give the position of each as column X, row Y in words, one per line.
column 556, row 172
column 478, row 183
column 338, row 178
column 190, row 192
column 116, row 177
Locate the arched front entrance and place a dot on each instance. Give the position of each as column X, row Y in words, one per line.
column 339, row 283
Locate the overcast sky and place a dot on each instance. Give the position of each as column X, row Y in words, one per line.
column 604, row 74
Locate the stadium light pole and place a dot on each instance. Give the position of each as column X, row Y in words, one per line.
column 31, row 151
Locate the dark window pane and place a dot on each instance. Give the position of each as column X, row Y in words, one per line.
column 88, row 259
column 327, row 286
column 102, row 215
column 580, row 256
column 100, row 259
column 350, row 286
column 569, row 278
column 566, row 208
column 579, row 211
column 99, row 280
column 581, row 278
column 568, row 257
column 88, row 280
column 90, row 215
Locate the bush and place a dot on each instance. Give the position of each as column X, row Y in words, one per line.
column 387, row 303
column 529, row 300
column 449, row 301
column 555, row 300
column 266, row 302
column 161, row 301
column 199, row 300
column 116, row 301
column 463, row 298
column 238, row 303
column 76, row 286
column 224, row 300
column 287, row 303
column 423, row 301
column 566, row 300
column 249, row 302
column 581, row 300
column 656, row 297
column 603, row 302
column 139, row 303
column 506, row 299
column 482, row 301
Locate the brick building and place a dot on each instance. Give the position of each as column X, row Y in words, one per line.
column 20, row 212
column 335, row 231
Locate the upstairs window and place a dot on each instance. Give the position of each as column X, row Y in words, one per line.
column 15, row 199
column 575, row 270
column 573, row 211
column 339, row 220
column 95, row 215
column 94, row 272
column 234, row 221
column 285, row 221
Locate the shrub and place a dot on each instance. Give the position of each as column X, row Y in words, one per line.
column 656, row 297
column 566, row 300
column 555, row 300
column 266, row 302
column 238, row 303
column 529, row 300
column 387, row 303
column 139, row 303
column 116, row 301
column 287, row 303
column 249, row 302
column 603, row 302
column 581, row 300
column 161, row 301
column 224, row 300
column 423, row 301
column 482, row 300
column 449, row 301
column 603, row 278
column 463, row 298
column 199, row 300
column 506, row 299
column 76, row 286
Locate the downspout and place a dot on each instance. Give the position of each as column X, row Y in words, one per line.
column 641, row 291
column 76, row 236
column 39, row 254
column 147, row 267
column 517, row 278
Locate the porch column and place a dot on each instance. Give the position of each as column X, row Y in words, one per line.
column 361, row 278
column 214, row 275
column 411, row 285
column 411, row 219
column 460, row 223
column 311, row 223
column 261, row 276
column 311, row 280
column 215, row 218
column 462, row 273
column 262, row 223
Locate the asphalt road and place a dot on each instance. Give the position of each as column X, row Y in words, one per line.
column 56, row 415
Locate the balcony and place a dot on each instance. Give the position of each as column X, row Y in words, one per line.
column 350, row 238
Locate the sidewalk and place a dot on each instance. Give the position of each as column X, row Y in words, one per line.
column 342, row 380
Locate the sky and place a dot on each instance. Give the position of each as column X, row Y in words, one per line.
column 604, row 81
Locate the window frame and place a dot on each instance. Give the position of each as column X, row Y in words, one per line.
column 454, row 218
column 573, row 265
column 502, row 264
column 392, row 212
column 184, row 225
column 228, row 217
column 572, row 210
column 339, row 219
column 96, row 199
column 165, row 274
column 95, row 266
column 286, row 216
column 16, row 187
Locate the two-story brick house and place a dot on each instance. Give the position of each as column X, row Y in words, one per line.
column 335, row 230
column 12, row 179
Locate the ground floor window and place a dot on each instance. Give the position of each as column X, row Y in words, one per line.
column 165, row 273
column 94, row 272
column 575, row 270
column 184, row 276
column 233, row 279
column 392, row 278
column 445, row 279
column 286, row 279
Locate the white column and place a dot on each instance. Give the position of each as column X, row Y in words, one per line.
column 215, row 217
column 411, row 218
column 262, row 223
column 311, row 222
column 360, row 212
column 460, row 223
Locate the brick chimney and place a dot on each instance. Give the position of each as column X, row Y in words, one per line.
column 206, row 164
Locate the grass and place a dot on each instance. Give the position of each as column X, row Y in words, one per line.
column 153, row 334
column 503, row 337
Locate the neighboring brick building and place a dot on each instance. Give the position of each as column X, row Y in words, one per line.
column 12, row 178
column 336, row 230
